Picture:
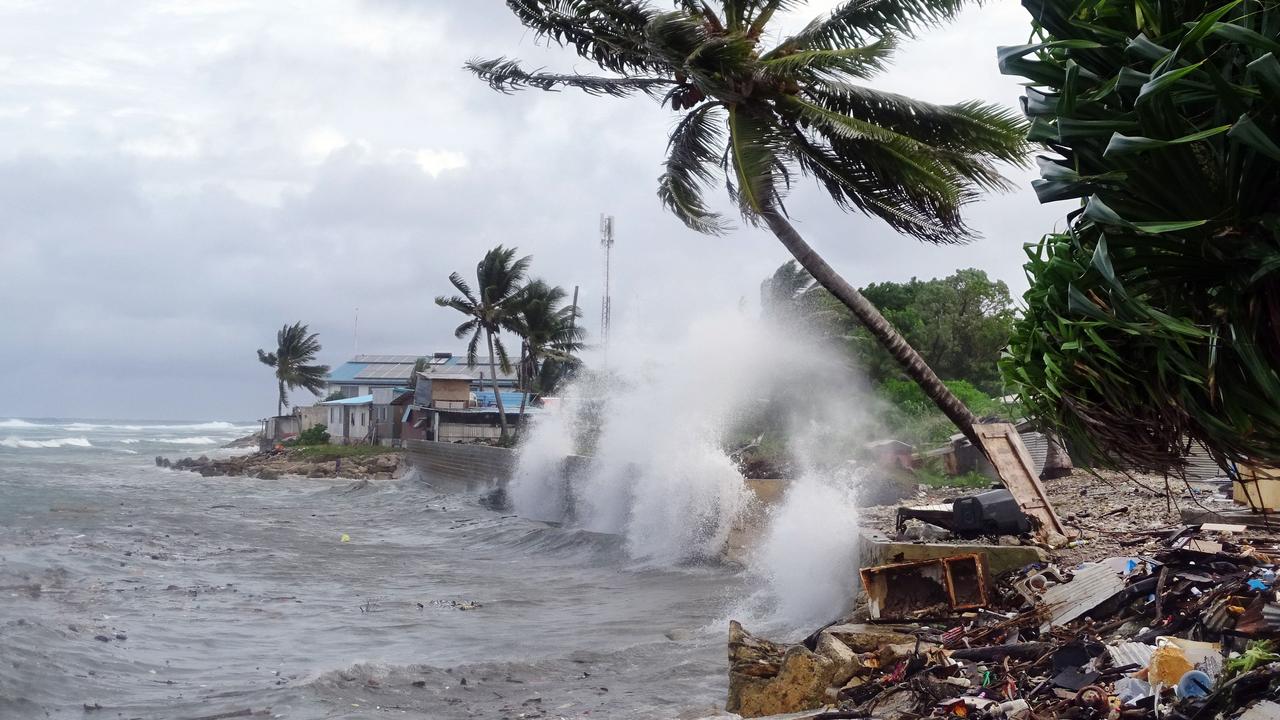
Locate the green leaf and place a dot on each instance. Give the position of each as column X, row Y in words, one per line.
column 1159, row 84
column 1252, row 38
column 1127, row 145
column 1246, row 131
column 1202, row 28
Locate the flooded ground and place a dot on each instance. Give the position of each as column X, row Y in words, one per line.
column 128, row 591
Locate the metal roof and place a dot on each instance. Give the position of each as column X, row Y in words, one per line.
column 357, row 400
column 447, row 376
column 346, row 371
column 386, row 371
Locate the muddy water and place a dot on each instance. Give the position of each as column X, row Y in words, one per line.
column 127, row 591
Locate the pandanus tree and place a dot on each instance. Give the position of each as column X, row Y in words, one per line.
column 490, row 308
column 293, row 359
column 761, row 115
column 1151, row 321
column 549, row 330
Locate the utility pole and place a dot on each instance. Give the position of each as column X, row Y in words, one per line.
column 357, row 331
column 606, row 241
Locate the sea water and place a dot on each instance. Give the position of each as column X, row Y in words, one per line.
column 132, row 591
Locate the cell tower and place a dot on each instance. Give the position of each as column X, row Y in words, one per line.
column 606, row 242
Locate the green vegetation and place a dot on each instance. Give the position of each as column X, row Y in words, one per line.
column 325, row 453
column 295, row 351
column 489, row 309
column 961, row 322
column 550, row 336
column 762, row 116
column 534, row 311
column 1152, row 319
column 314, row 435
column 933, row 475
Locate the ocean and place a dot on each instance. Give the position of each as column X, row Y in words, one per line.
column 132, row 591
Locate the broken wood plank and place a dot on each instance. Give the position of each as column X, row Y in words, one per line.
column 1012, row 462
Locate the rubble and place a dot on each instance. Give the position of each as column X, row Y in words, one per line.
column 1156, row 619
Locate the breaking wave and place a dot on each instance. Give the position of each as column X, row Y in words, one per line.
column 16, row 423
column 15, row 442
column 217, row 425
column 202, row 440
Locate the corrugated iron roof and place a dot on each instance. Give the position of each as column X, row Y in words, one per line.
column 357, row 400
column 1092, row 585
column 1131, row 653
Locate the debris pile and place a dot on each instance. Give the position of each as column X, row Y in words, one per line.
column 1187, row 631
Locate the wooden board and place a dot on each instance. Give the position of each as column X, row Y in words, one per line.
column 1013, row 464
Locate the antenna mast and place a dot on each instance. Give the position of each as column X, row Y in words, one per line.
column 606, row 241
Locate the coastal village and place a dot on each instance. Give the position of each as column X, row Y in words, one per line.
column 1061, row 505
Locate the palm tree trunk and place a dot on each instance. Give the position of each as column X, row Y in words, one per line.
column 1057, row 462
column 524, row 392
column 905, row 355
column 280, row 401
column 493, row 379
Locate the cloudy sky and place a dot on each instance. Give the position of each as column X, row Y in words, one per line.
column 178, row 179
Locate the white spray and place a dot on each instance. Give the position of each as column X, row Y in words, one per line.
column 661, row 476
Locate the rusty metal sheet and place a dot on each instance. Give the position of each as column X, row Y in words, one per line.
column 1012, row 462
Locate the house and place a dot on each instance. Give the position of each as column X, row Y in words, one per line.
column 450, row 406
column 350, row 420
column 360, row 375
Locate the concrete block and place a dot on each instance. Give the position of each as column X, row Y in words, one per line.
column 875, row 549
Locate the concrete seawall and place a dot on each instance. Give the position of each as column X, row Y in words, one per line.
column 453, row 466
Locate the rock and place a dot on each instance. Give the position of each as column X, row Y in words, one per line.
column 845, row 662
column 268, row 474
column 677, row 635
column 799, row 683
column 102, row 638
column 868, row 638
column 121, row 636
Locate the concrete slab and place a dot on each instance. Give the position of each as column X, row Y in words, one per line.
column 876, row 549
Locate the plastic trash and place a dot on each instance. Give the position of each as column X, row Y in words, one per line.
column 1168, row 664
column 1194, row 684
column 1130, row 690
column 345, row 538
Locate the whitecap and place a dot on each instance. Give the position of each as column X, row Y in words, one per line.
column 13, row 442
column 16, row 423
column 185, row 441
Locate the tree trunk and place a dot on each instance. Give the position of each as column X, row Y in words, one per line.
column 524, row 392
column 1057, row 462
column 493, row 379
column 905, row 355
column 280, row 401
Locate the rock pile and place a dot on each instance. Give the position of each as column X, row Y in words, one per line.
column 273, row 465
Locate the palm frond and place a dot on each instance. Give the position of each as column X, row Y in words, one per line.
column 266, row 358
column 610, row 34
column 692, row 150
column 854, row 185
column 504, row 361
column 473, row 344
column 507, row 76
column 754, row 163
column 461, row 284
column 974, row 127
column 858, row 21
column 862, row 61
column 470, row 326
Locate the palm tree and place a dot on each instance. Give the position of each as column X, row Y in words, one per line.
column 295, row 351
column 759, row 114
column 490, row 309
column 549, row 329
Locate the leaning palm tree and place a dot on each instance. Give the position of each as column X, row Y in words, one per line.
column 549, row 330
column 759, row 114
column 490, row 309
column 295, row 351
